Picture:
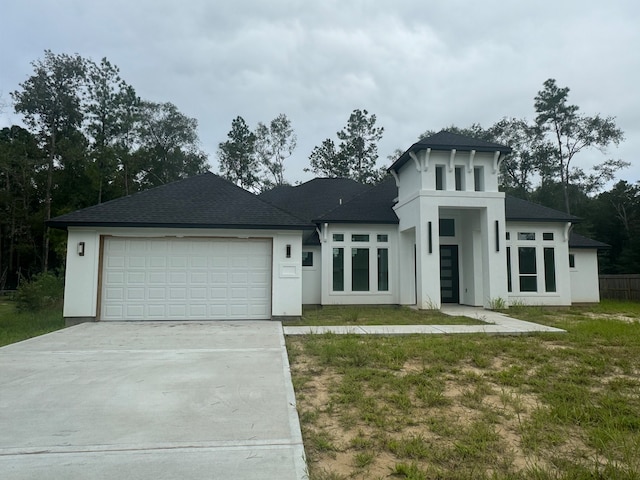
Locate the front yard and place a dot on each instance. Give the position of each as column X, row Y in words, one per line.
column 546, row 406
column 16, row 326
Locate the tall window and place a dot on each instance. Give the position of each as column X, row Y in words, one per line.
column 440, row 179
column 478, row 179
column 527, row 269
column 459, row 177
column 509, row 286
column 338, row 269
column 549, row 270
column 360, row 269
column 383, row 269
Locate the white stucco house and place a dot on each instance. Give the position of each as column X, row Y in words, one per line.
column 436, row 231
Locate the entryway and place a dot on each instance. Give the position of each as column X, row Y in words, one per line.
column 449, row 274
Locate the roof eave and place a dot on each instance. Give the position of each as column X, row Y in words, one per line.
column 359, row 222
column 404, row 158
column 543, row 220
column 66, row 225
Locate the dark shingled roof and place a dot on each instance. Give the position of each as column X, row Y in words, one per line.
column 449, row 141
column 372, row 206
column 517, row 209
column 578, row 241
column 203, row 201
column 315, row 197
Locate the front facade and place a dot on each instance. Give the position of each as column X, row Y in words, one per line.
column 441, row 232
column 136, row 274
column 437, row 231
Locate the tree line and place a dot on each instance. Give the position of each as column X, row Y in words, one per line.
column 88, row 138
column 541, row 168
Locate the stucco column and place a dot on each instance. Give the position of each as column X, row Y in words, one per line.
column 494, row 260
column 428, row 257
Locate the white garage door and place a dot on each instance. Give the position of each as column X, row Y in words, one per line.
column 186, row 279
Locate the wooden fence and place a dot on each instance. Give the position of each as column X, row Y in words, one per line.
column 620, row 287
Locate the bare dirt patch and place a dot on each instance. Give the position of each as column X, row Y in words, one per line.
column 495, row 409
column 610, row 316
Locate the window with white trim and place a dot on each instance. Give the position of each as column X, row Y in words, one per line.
column 365, row 268
column 532, row 268
column 527, row 269
column 307, row 259
column 459, row 178
column 441, row 181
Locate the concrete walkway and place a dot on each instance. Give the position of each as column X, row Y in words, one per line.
column 161, row 401
column 496, row 323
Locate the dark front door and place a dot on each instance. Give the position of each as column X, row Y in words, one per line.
column 449, row 278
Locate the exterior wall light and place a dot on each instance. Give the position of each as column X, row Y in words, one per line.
column 81, row 249
column 288, row 251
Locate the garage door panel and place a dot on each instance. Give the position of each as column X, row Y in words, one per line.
column 115, row 278
column 135, row 278
column 218, row 261
column 177, row 311
column 197, row 293
column 114, row 311
column 158, row 262
column 177, row 294
column 134, row 311
column 199, row 261
column 258, row 262
column 239, row 311
column 198, row 278
column 114, row 293
column 262, row 293
column 115, row 261
column 175, row 279
column 218, row 293
column 220, row 278
column 157, row 311
column 178, row 262
column 260, row 277
column 135, row 293
column 218, row 311
column 239, row 278
column 239, row 293
column 136, row 262
column 157, row 293
column 198, row 310
column 153, row 278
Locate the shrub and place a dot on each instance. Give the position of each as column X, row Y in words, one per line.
column 43, row 291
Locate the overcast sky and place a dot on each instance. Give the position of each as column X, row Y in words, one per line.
column 416, row 65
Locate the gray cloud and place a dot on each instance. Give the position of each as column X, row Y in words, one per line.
column 416, row 65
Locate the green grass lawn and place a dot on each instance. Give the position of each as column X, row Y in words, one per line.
column 542, row 406
column 376, row 315
column 16, row 326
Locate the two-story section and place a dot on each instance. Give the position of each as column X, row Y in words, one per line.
column 451, row 222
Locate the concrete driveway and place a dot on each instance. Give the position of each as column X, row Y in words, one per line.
column 165, row 400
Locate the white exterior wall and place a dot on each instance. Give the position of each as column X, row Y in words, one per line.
column 560, row 244
column 81, row 274
column 482, row 268
column 82, row 283
column 585, row 286
column 349, row 297
column 312, row 278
